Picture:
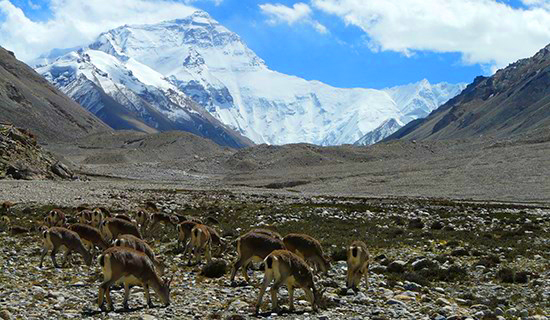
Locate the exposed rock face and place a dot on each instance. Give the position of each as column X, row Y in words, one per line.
column 515, row 100
column 22, row 158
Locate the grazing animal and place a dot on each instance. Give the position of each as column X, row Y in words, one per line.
column 158, row 217
column 5, row 223
column 111, row 228
column 15, row 230
column 142, row 218
column 130, row 241
column 133, row 268
column 201, row 240
column 217, row 240
column 6, row 206
column 267, row 232
column 90, row 236
column 56, row 218
column 85, row 216
column 123, row 217
column 184, row 235
column 309, row 249
column 285, row 267
column 253, row 247
column 358, row 265
column 97, row 217
column 59, row 237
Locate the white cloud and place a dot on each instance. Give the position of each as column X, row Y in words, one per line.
column 298, row 13
column 216, row 2
column 77, row 22
column 483, row 31
column 34, row 6
column 537, row 3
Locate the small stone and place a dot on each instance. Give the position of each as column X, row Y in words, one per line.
column 439, row 289
column 499, row 312
column 442, row 302
column 524, row 313
column 403, row 297
column 397, row 266
column 512, row 312
column 413, row 286
column 38, row 292
column 446, row 310
column 396, row 303
column 6, row 315
column 480, row 314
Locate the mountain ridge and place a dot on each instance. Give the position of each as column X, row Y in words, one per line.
column 199, row 58
column 515, row 100
column 29, row 101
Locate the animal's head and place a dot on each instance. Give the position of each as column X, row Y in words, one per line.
column 164, row 293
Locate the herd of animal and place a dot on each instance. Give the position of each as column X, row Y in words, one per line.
column 126, row 258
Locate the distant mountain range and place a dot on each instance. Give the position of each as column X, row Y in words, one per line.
column 195, row 75
column 515, row 100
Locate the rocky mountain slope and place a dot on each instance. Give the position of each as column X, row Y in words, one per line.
column 22, row 158
column 515, row 100
column 27, row 100
column 150, row 70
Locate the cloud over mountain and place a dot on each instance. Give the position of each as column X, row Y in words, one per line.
column 75, row 22
column 486, row 32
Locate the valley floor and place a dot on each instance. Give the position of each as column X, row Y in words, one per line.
column 431, row 259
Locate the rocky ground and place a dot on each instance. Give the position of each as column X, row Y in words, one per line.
column 431, row 259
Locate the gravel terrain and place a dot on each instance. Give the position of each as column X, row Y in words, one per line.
column 430, row 259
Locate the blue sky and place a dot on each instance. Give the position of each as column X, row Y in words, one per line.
column 331, row 40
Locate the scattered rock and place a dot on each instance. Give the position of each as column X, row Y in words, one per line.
column 214, row 269
column 397, row 266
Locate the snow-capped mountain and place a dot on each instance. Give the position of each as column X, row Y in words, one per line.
column 384, row 130
column 417, row 100
column 196, row 57
column 129, row 95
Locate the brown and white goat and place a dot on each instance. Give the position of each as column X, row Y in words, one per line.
column 309, row 249
column 6, row 206
column 56, row 218
column 142, row 218
column 111, row 228
column 130, row 241
column 5, row 223
column 253, row 247
column 56, row 238
column 90, row 236
column 201, row 241
column 85, row 216
column 98, row 216
column 158, row 218
column 184, row 235
column 267, row 232
column 285, row 267
column 358, row 265
column 132, row 267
